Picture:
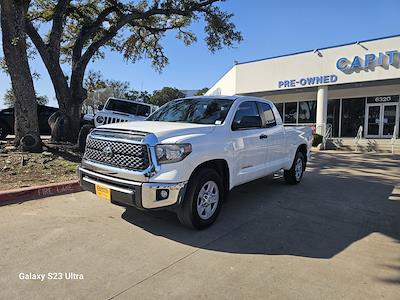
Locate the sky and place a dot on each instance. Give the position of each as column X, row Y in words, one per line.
column 269, row 28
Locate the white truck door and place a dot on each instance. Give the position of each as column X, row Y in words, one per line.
column 276, row 153
column 249, row 144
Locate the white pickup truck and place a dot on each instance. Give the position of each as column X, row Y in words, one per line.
column 190, row 153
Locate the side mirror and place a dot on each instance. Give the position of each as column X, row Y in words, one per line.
column 247, row 122
column 100, row 107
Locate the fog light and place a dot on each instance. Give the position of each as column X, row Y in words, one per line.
column 162, row 194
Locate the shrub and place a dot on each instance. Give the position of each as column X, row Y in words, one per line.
column 317, row 139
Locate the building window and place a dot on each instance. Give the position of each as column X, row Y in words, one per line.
column 307, row 111
column 291, row 113
column 279, row 107
column 353, row 114
column 333, row 115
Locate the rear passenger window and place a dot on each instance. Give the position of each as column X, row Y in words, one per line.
column 268, row 115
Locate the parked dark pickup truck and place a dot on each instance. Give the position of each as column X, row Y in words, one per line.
column 7, row 120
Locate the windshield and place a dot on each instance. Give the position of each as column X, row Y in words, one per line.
column 200, row 111
column 128, row 107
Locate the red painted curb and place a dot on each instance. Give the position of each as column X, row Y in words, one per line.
column 36, row 192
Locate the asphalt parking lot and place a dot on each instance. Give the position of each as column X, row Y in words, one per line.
column 336, row 235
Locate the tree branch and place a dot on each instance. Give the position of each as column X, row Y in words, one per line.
column 95, row 46
column 136, row 14
column 37, row 40
column 52, row 63
column 57, row 28
column 87, row 31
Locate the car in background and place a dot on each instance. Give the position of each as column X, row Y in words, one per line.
column 115, row 110
column 7, row 120
column 122, row 110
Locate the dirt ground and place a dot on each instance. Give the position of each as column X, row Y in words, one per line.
column 20, row 169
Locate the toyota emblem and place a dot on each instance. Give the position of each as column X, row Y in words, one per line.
column 107, row 151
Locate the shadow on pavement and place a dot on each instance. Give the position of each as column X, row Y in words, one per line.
column 319, row 218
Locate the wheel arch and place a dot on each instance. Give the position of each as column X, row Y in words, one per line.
column 220, row 166
column 303, row 149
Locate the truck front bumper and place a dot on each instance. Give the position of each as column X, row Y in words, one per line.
column 143, row 195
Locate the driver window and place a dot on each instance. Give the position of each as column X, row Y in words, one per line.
column 246, row 109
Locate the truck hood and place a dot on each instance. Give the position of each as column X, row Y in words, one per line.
column 171, row 131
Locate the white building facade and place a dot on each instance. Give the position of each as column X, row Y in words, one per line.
column 340, row 88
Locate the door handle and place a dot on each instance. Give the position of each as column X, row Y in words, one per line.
column 263, row 136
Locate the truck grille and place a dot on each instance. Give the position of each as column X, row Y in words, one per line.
column 110, row 120
column 117, row 154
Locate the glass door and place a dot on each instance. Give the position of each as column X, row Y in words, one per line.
column 373, row 120
column 388, row 120
column 380, row 120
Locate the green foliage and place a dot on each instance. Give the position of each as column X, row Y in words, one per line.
column 202, row 91
column 76, row 32
column 165, row 95
column 134, row 28
column 142, row 96
column 9, row 99
column 317, row 139
column 94, row 81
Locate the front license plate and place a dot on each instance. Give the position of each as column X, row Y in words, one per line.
column 103, row 192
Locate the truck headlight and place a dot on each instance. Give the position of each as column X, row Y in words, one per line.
column 170, row 153
column 99, row 119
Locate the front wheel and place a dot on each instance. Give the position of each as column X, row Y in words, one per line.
column 203, row 200
column 83, row 133
column 295, row 174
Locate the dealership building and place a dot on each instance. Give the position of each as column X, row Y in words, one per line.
column 336, row 89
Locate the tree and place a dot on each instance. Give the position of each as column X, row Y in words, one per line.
column 118, row 88
column 100, row 89
column 165, row 95
column 9, row 99
column 13, row 16
column 94, row 83
column 202, row 91
column 81, row 30
column 142, row 96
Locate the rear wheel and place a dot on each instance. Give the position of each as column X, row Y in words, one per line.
column 203, row 200
column 295, row 174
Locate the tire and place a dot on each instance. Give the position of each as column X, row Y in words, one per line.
column 3, row 131
column 31, row 142
column 199, row 212
column 83, row 133
column 295, row 174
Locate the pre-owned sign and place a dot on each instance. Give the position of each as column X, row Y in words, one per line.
column 307, row 81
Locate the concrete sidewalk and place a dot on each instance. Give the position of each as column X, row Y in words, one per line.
column 336, row 235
